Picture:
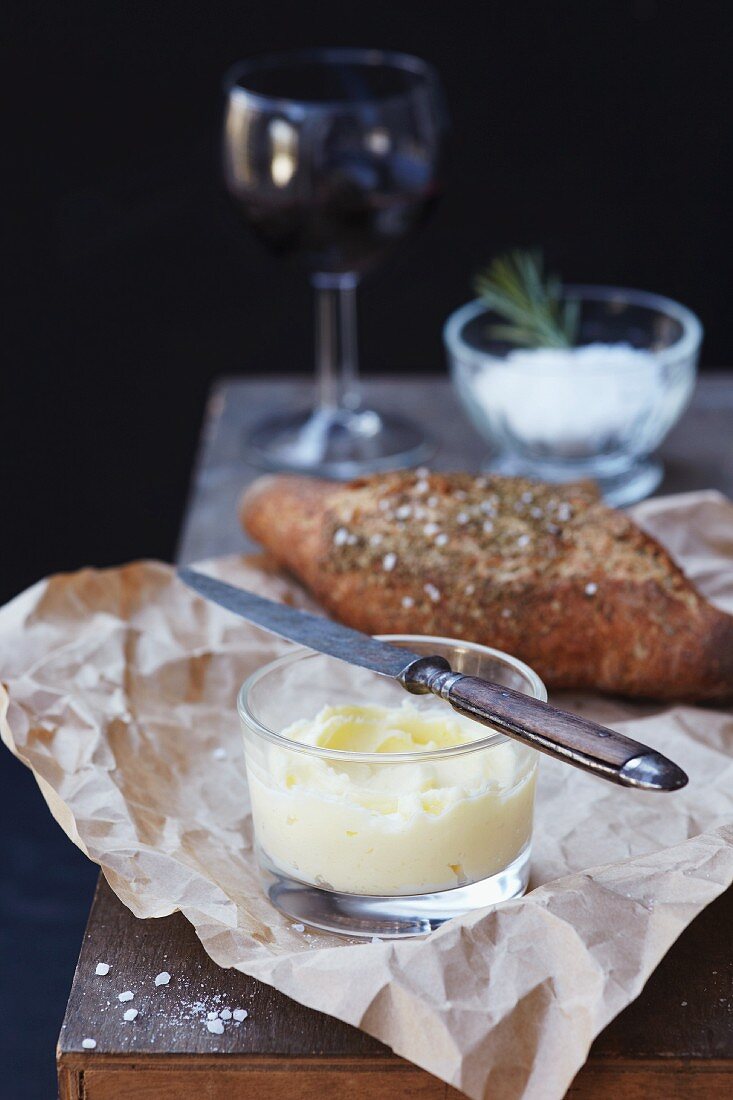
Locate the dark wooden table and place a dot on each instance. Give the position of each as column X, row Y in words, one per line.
column 675, row 1041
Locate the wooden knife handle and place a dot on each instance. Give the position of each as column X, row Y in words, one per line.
column 568, row 737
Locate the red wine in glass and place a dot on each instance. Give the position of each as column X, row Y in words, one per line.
column 334, row 157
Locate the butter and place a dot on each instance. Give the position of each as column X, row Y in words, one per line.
column 395, row 827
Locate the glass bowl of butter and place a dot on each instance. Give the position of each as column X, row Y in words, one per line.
column 378, row 813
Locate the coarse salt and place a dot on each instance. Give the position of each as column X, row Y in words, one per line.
column 591, row 588
column 211, row 1015
column 462, row 518
column 219, row 754
column 441, row 540
column 102, row 969
column 298, row 927
column 240, row 1014
column 506, row 613
column 163, row 978
column 407, row 601
column 126, row 996
column 403, row 512
column 523, row 540
column 375, row 540
column 389, row 561
column 470, row 589
column 341, row 537
column 216, row 1027
column 430, row 529
column 432, row 592
column 225, row 1014
column 129, row 1014
column 89, row 1044
column 422, row 487
column 488, row 527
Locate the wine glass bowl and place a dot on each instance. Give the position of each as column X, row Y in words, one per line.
column 333, row 157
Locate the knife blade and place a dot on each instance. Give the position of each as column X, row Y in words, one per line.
column 568, row 737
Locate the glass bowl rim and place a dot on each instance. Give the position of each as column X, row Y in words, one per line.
column 301, row 652
column 687, row 344
column 395, row 59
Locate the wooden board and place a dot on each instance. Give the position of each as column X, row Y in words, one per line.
column 675, row 1041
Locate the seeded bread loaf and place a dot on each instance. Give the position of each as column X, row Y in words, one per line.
column 548, row 573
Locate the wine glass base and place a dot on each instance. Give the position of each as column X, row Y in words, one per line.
column 618, row 489
column 338, row 443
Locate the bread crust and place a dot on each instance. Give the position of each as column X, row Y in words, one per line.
column 547, row 573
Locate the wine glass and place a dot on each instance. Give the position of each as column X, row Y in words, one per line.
column 333, row 156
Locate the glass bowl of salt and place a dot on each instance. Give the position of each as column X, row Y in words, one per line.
column 598, row 409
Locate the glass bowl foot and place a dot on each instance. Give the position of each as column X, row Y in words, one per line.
column 628, row 486
column 388, row 917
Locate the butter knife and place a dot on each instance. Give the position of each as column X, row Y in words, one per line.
column 567, row 737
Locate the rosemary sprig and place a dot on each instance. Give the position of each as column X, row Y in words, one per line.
column 531, row 303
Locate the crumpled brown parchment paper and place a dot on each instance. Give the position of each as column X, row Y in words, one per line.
column 118, row 687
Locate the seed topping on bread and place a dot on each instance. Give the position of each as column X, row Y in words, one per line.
column 546, row 572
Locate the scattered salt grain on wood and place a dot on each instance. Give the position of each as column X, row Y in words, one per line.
column 129, row 1014
column 163, row 978
column 211, row 1015
column 216, row 1027
column 126, row 996
column 388, row 562
column 225, row 1014
column 240, row 1014
column 102, row 969
column 298, row 927
column 591, row 589
column 89, row 1044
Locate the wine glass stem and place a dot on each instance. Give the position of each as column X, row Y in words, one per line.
column 337, row 357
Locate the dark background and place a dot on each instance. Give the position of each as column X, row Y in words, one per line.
column 598, row 130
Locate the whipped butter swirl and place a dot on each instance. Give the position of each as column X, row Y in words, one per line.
column 394, row 827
